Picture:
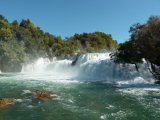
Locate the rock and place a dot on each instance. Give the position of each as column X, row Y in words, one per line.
column 6, row 101
column 157, row 82
column 75, row 60
column 43, row 95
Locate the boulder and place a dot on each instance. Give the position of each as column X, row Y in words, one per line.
column 75, row 59
column 6, row 101
column 43, row 95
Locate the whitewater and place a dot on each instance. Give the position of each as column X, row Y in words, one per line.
column 92, row 67
column 94, row 88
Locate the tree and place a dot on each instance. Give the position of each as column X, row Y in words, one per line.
column 12, row 55
column 5, row 30
column 128, row 53
column 92, row 42
column 25, row 42
column 144, row 43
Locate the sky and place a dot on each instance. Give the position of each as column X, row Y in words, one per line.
column 67, row 17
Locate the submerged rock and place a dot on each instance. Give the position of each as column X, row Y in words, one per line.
column 30, row 97
column 44, row 95
column 6, row 101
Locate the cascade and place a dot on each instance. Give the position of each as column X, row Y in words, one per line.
column 90, row 66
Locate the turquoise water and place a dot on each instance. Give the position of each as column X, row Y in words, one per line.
column 79, row 99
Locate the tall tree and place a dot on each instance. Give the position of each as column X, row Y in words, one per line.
column 144, row 43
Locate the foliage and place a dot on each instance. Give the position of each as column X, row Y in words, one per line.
column 144, row 43
column 5, row 30
column 25, row 42
column 92, row 42
column 128, row 53
column 12, row 55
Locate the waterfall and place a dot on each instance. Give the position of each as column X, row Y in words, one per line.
column 90, row 66
column 37, row 66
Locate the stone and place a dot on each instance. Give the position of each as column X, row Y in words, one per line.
column 6, row 101
column 43, row 95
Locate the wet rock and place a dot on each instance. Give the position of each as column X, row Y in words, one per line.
column 44, row 95
column 76, row 59
column 6, row 101
column 157, row 82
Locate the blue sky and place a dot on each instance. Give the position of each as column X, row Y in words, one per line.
column 67, row 17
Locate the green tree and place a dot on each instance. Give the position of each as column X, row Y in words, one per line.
column 144, row 43
column 5, row 30
column 12, row 55
column 92, row 42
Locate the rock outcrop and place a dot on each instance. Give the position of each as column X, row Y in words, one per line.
column 44, row 95
column 35, row 96
column 6, row 101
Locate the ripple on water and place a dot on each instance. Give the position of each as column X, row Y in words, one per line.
column 118, row 115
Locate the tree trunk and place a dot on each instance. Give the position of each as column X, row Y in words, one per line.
column 155, row 71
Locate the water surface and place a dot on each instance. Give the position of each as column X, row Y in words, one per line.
column 79, row 99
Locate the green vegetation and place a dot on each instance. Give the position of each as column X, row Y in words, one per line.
column 144, row 43
column 25, row 42
column 92, row 42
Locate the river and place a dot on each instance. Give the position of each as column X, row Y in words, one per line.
column 94, row 89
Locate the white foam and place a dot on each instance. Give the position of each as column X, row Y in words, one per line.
column 26, row 92
column 90, row 57
column 90, row 66
column 140, row 91
column 110, row 107
column 103, row 117
column 30, row 106
column 37, row 66
column 19, row 100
